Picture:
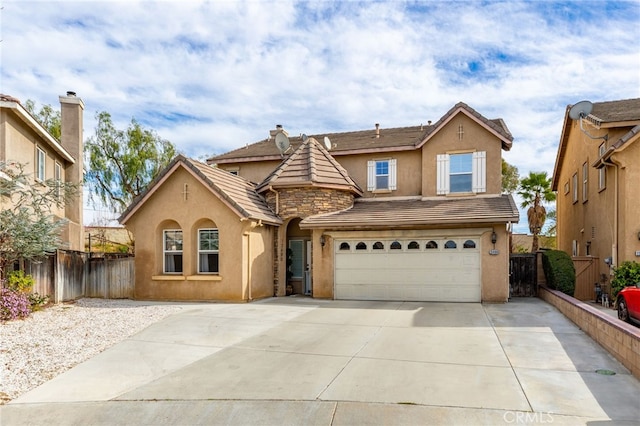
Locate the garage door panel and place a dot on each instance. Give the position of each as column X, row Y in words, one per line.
column 421, row 275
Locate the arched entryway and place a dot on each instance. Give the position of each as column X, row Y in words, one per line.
column 298, row 259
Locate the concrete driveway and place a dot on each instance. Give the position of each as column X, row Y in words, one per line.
column 304, row 361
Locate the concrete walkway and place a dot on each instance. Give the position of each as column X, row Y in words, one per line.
column 303, row 361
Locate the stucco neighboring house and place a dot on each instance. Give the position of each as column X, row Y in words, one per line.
column 597, row 178
column 412, row 213
column 24, row 140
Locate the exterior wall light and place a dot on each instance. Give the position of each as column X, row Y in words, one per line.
column 322, row 240
column 494, row 237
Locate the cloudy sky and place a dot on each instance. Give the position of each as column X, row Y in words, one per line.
column 213, row 76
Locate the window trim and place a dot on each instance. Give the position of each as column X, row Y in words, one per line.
column 478, row 172
column 200, row 252
column 41, row 165
column 57, row 175
column 602, row 171
column 173, row 251
column 574, row 182
column 372, row 175
column 585, row 182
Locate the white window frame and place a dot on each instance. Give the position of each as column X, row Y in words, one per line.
column 478, row 172
column 372, row 175
column 57, row 175
column 602, row 171
column 585, row 182
column 172, row 250
column 41, row 164
column 202, row 251
column 574, row 184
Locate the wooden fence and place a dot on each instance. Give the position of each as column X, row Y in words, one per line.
column 587, row 275
column 69, row 275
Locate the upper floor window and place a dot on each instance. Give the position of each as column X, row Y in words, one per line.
column 208, row 251
column 172, row 248
column 381, row 175
column 58, row 178
column 585, row 182
column 602, row 172
column 40, row 164
column 574, row 183
column 459, row 173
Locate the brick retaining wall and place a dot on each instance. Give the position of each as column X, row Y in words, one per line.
column 620, row 339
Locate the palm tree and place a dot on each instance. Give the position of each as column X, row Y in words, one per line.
column 535, row 190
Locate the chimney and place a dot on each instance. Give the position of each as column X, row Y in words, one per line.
column 71, row 133
column 279, row 129
column 377, row 130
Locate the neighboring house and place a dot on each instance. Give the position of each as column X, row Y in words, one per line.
column 413, row 213
column 597, row 178
column 24, row 140
column 108, row 239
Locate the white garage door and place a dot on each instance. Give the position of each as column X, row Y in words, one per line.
column 443, row 270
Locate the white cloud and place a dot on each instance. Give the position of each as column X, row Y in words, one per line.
column 213, row 76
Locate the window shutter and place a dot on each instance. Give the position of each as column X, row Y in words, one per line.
column 442, row 172
column 479, row 174
column 371, row 175
column 392, row 174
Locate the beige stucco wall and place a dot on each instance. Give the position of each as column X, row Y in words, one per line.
column 494, row 269
column 246, row 254
column 592, row 221
column 475, row 138
column 407, row 175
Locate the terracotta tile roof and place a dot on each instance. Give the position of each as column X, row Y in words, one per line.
column 614, row 111
column 310, row 165
column 397, row 213
column 238, row 193
column 8, row 98
column 371, row 140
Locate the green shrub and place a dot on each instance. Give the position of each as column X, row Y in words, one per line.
column 18, row 281
column 37, row 301
column 559, row 271
column 628, row 273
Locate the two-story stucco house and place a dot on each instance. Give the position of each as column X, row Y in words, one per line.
column 413, row 213
column 597, row 178
column 24, row 140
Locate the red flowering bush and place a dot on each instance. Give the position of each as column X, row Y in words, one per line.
column 13, row 305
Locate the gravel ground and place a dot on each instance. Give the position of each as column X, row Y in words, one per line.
column 53, row 340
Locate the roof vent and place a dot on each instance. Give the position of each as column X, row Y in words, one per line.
column 377, row 130
column 71, row 94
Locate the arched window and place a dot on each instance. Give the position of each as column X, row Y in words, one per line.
column 208, row 251
column 413, row 245
column 450, row 245
column 172, row 250
column 431, row 245
column 396, row 245
column 378, row 246
column 469, row 244
column 345, row 246
column 361, row 246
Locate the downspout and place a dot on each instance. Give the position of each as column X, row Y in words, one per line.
column 614, row 244
column 277, row 198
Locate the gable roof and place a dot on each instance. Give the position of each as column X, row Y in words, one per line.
column 13, row 104
column 610, row 114
column 369, row 141
column 310, row 165
column 236, row 192
column 372, row 214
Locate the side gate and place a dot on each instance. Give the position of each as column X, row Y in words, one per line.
column 522, row 275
